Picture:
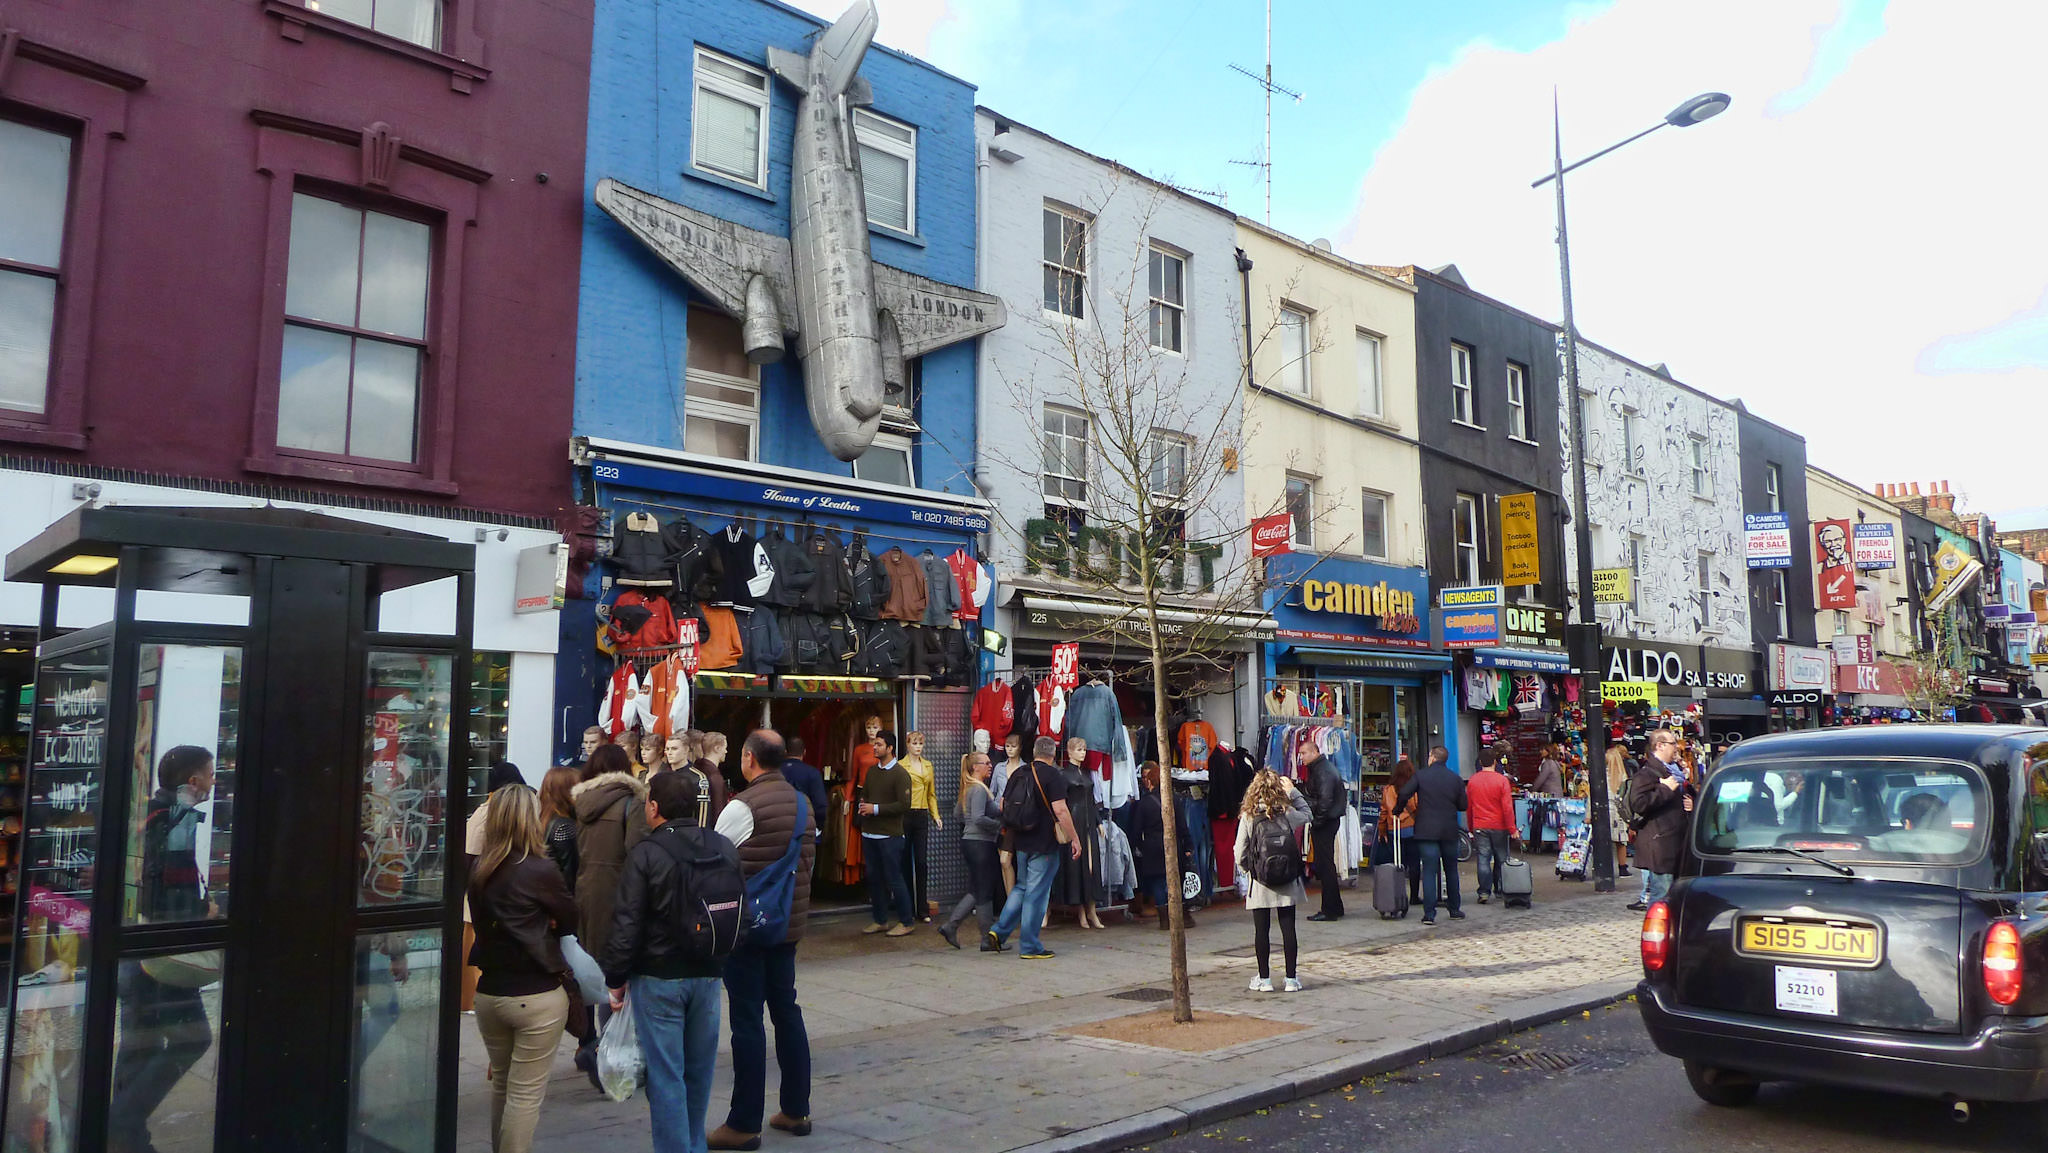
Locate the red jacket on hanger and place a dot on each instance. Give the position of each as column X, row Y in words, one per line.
column 994, row 712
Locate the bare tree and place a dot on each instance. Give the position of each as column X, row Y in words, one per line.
column 1938, row 682
column 1152, row 518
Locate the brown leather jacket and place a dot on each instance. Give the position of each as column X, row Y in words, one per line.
column 521, row 912
column 906, row 587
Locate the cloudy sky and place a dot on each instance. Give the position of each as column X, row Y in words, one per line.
column 1856, row 249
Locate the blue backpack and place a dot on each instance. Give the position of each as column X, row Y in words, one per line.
column 771, row 893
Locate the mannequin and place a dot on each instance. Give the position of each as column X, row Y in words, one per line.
column 652, row 758
column 678, row 751
column 710, row 762
column 979, row 741
column 1012, row 759
column 1080, row 880
column 592, row 738
column 863, row 757
column 922, row 820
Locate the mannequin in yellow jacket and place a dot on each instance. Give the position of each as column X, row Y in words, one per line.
column 922, row 820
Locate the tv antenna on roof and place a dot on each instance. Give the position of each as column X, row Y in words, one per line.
column 1265, row 158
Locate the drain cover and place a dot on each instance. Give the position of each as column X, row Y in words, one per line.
column 1143, row 995
column 1542, row 1060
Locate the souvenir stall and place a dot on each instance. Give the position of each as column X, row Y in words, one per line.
column 1352, row 668
column 724, row 602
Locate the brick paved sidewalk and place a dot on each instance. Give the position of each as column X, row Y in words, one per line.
column 962, row 1055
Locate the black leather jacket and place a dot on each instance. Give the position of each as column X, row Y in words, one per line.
column 1326, row 799
column 521, row 912
column 643, row 941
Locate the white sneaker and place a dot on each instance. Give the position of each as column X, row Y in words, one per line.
column 1262, row 984
column 1291, row 985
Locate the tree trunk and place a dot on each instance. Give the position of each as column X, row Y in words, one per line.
column 1177, row 944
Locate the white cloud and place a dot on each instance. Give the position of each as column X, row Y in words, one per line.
column 1857, row 206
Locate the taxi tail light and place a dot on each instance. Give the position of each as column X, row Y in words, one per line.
column 2003, row 971
column 1657, row 938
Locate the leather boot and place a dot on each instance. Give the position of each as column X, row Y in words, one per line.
column 726, row 1137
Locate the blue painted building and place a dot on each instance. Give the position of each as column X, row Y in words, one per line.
column 679, row 416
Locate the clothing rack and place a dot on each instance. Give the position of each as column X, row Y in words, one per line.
column 729, row 515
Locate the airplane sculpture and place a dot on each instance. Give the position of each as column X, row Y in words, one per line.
column 855, row 322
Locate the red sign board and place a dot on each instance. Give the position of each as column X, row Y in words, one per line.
column 687, row 627
column 1273, row 534
column 1837, row 565
column 1066, row 665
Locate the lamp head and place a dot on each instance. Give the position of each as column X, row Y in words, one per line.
column 1705, row 106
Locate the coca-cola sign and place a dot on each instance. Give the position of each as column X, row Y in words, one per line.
column 1273, row 534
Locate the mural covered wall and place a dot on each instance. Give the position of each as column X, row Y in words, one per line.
column 1651, row 513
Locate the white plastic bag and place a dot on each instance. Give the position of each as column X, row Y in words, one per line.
column 589, row 978
column 619, row 1063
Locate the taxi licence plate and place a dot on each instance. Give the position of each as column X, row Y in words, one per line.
column 1815, row 940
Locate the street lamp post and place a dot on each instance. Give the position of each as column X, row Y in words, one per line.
column 1586, row 653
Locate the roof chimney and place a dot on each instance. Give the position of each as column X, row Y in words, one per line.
column 1916, row 488
column 1881, row 487
column 1944, row 488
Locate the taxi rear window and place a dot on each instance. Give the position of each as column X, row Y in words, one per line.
column 1911, row 812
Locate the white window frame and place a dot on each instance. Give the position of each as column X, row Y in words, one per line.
column 1635, row 572
column 1464, row 405
column 1160, row 443
column 1518, row 402
column 1704, row 569
column 1079, row 270
column 722, row 411
column 1631, row 434
column 1702, row 469
column 432, row 43
column 1371, row 364
column 1468, row 538
column 891, row 442
column 872, row 130
column 1304, row 527
column 1385, row 500
column 14, row 265
column 731, row 89
column 1589, row 419
column 1298, row 368
column 1045, row 474
column 1158, row 254
column 1774, row 487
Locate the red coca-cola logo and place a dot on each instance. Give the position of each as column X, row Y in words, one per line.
column 1272, row 534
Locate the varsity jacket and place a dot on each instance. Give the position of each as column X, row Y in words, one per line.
column 735, row 549
column 965, row 572
column 941, row 592
column 994, row 712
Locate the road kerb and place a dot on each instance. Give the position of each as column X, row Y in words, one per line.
column 1224, row 1104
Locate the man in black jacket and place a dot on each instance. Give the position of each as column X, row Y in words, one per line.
column 1661, row 798
column 670, row 985
column 1436, row 830
column 1326, row 806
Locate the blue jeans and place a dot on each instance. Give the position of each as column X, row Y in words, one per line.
column 1490, row 849
column 1655, row 885
column 755, row 978
column 1435, row 856
column 677, row 1024
column 882, row 857
column 1024, row 912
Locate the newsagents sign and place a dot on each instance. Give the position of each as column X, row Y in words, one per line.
column 1721, row 672
column 1329, row 601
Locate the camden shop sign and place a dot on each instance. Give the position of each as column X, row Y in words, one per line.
column 1719, row 672
column 1348, row 603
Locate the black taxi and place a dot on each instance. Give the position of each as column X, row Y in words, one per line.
column 1864, row 907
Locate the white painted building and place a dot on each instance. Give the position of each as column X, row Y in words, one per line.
column 1665, row 485
column 1117, row 287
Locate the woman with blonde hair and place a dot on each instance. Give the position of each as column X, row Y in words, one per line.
column 981, row 817
column 1271, row 797
column 521, row 910
column 1619, row 770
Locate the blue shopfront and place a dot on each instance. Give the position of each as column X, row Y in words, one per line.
column 1353, row 651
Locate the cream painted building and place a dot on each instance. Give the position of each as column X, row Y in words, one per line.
column 1880, row 593
column 1330, row 416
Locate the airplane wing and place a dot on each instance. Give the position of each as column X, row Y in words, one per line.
column 931, row 315
column 717, row 257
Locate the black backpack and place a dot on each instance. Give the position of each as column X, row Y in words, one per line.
column 711, row 893
column 1273, row 857
column 1021, row 808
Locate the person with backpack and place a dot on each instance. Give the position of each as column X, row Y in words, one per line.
column 1269, row 854
column 681, row 902
column 1038, row 827
column 609, row 804
column 776, row 830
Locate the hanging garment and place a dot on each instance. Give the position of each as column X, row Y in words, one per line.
column 1123, row 775
column 1282, row 701
column 1052, row 709
column 735, row 547
column 621, row 707
column 869, row 587
column 1196, row 738
column 994, row 713
column 763, row 648
column 667, row 687
column 1119, row 867
column 907, row 592
column 720, row 647
column 1092, row 715
column 927, row 653
column 884, row 651
column 699, row 567
column 638, row 551
column 831, row 588
column 984, row 586
column 641, row 620
column 791, row 564
column 965, row 571
column 941, row 592
column 1024, row 712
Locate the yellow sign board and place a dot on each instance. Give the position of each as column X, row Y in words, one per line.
column 1626, row 692
column 1521, row 560
column 1613, row 586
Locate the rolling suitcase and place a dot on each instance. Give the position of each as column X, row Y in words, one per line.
column 1517, row 883
column 1390, row 885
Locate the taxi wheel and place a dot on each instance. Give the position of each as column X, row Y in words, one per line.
column 1722, row 1087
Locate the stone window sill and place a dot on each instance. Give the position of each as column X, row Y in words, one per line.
column 294, row 18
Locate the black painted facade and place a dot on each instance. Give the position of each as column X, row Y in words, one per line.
column 1481, row 458
column 1764, row 444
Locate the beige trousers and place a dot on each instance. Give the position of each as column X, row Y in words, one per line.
column 520, row 1034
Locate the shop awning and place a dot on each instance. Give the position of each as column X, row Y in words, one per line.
column 1523, row 660
column 1737, row 707
column 1389, row 660
column 1873, row 701
column 1077, row 614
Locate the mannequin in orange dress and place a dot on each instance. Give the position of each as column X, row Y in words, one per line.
column 859, row 761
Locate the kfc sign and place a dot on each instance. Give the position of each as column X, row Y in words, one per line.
column 1837, row 588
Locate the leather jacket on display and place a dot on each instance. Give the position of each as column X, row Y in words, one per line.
column 638, row 550
column 871, row 586
column 794, row 573
column 831, row 588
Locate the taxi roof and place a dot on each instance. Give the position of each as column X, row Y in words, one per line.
column 1978, row 744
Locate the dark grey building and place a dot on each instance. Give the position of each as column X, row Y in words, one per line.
column 1774, row 480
